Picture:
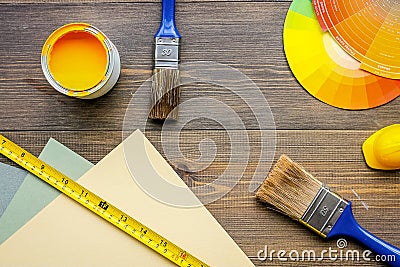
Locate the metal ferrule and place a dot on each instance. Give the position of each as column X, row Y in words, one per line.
column 167, row 52
column 324, row 211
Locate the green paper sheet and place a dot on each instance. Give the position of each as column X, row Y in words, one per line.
column 34, row 194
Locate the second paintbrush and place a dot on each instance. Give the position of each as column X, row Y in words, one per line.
column 296, row 193
column 166, row 78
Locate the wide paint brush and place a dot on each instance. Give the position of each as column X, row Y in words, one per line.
column 166, row 77
column 296, row 193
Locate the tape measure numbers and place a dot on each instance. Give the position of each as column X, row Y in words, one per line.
column 98, row 205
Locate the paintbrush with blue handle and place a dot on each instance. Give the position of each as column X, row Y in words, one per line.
column 166, row 77
column 296, row 193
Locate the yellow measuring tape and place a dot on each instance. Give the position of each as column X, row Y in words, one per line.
column 98, row 205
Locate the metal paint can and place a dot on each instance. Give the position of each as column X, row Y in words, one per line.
column 79, row 60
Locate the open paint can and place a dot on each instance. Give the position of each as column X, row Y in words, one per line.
column 78, row 60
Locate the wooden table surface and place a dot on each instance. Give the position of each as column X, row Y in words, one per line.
column 246, row 35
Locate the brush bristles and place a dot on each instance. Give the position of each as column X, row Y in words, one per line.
column 165, row 93
column 289, row 188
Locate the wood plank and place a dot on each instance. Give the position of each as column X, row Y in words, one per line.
column 334, row 157
column 178, row 2
column 246, row 36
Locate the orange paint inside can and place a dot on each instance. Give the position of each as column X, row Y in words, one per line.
column 78, row 60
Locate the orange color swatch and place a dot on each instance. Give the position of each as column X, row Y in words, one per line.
column 325, row 69
column 369, row 30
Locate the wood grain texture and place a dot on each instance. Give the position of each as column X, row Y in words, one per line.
column 125, row 1
column 245, row 35
column 333, row 157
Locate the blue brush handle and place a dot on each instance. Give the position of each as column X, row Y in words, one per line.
column 347, row 226
column 167, row 27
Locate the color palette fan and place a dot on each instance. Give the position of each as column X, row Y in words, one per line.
column 325, row 70
column 369, row 30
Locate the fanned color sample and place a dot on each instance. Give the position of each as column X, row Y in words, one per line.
column 367, row 29
column 325, row 70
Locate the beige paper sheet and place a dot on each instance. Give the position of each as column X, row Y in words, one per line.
column 66, row 234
